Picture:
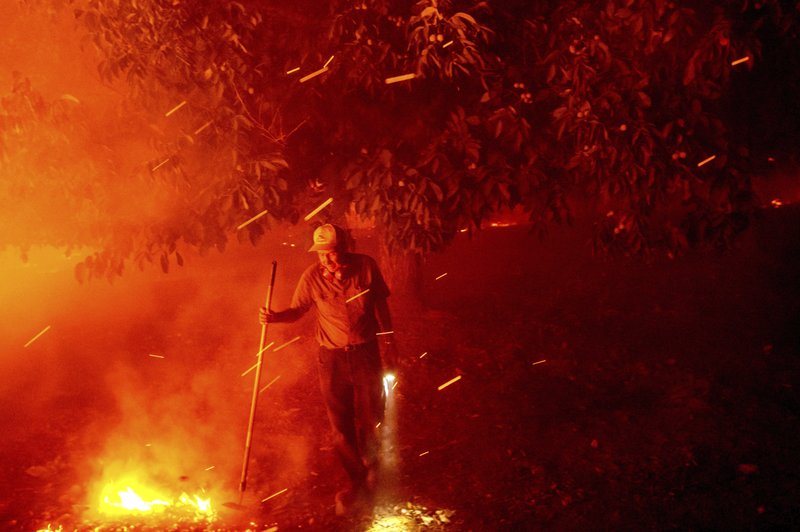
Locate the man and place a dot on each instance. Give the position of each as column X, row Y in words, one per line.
column 349, row 294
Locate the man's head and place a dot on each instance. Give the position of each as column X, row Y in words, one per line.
column 329, row 243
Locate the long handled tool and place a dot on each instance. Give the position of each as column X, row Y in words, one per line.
column 256, row 385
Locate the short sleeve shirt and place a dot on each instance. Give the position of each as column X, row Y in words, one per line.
column 346, row 307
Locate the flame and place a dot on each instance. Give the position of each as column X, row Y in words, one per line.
column 120, row 502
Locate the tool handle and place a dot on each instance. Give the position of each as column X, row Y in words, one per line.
column 256, row 385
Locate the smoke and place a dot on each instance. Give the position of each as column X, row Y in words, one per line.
column 139, row 382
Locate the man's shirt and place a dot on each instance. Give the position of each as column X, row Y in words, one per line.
column 343, row 319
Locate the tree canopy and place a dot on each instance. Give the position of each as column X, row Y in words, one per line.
column 619, row 111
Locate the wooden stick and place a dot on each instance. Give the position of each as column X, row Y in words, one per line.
column 256, row 385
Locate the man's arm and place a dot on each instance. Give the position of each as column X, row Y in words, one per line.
column 280, row 316
column 301, row 302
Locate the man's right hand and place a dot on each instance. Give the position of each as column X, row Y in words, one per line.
column 265, row 316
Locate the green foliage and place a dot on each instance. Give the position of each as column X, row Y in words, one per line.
column 598, row 107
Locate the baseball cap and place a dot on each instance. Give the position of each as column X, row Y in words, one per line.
column 325, row 238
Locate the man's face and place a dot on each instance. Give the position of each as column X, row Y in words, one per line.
column 330, row 260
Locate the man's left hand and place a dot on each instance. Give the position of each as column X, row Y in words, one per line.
column 389, row 355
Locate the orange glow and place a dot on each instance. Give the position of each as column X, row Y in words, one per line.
column 121, row 502
column 776, row 203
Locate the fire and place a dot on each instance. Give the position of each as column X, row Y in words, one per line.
column 125, row 502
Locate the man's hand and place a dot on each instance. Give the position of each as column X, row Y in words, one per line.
column 265, row 316
column 389, row 355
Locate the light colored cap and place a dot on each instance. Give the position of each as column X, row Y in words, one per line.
column 324, row 238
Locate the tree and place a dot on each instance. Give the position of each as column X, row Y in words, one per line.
column 604, row 109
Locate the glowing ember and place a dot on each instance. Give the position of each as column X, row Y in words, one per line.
column 292, row 71
column 423, row 354
column 151, row 355
column 275, row 494
column 328, row 62
column 448, row 383
column 741, row 60
column 168, row 113
column 313, row 74
column 251, row 220
column 383, row 333
column 397, row 79
column 37, row 336
column 313, row 213
column 540, row 362
column 270, row 383
column 441, row 276
column 293, row 340
column 201, row 128
column 448, row 43
column 706, row 161
column 357, row 296
column 159, row 165
column 776, row 203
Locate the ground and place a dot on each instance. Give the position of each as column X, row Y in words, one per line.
column 595, row 394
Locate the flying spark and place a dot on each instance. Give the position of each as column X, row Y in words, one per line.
column 251, row 368
column 175, row 108
column 744, row 59
column 441, row 276
column 209, row 468
column 313, row 74
column 275, row 494
column 201, row 128
column 378, row 425
column 357, row 296
column 292, row 71
column 270, row 383
column 328, row 62
column 706, row 161
column 293, row 340
column 159, row 165
column 397, row 79
column 155, row 356
column 37, row 336
column 539, row 362
column 424, row 453
column 448, row 383
column 265, row 348
column 384, row 333
column 315, row 211
column 448, row 43
column 423, row 354
column 253, row 219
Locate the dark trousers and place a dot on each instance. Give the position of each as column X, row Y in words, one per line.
column 351, row 382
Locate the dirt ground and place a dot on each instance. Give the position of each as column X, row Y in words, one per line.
column 594, row 395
